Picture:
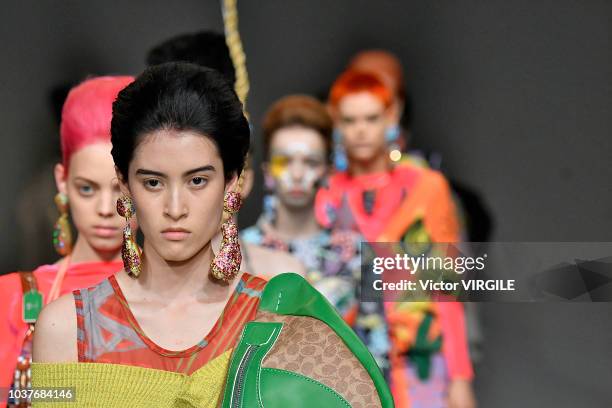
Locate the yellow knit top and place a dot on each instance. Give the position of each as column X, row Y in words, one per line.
column 101, row 385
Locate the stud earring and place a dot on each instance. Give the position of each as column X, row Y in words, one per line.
column 62, row 236
column 226, row 264
column 130, row 251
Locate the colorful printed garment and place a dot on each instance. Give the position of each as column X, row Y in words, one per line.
column 109, row 333
column 296, row 348
column 331, row 260
column 408, row 203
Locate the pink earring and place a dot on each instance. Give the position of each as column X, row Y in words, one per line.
column 226, row 264
column 130, row 251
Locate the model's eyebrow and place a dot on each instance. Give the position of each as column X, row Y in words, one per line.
column 200, row 169
column 85, row 180
column 146, row 172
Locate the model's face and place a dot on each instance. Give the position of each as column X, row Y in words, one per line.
column 362, row 120
column 177, row 185
column 92, row 189
column 297, row 164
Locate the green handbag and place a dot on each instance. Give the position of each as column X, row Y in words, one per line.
column 298, row 352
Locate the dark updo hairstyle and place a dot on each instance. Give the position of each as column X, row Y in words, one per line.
column 180, row 96
column 205, row 48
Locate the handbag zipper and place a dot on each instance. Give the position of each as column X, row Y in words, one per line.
column 241, row 374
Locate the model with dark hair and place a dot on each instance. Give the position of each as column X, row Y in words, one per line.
column 209, row 49
column 181, row 325
column 87, row 189
column 204, row 48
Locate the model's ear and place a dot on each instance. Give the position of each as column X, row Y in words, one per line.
column 247, row 182
column 395, row 111
column 232, row 184
column 331, row 111
column 269, row 182
column 61, row 176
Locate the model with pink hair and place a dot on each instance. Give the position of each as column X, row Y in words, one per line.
column 88, row 190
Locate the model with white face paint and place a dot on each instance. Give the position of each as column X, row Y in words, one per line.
column 297, row 138
column 297, row 164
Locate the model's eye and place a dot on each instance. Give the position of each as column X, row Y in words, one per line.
column 313, row 162
column 348, row 120
column 372, row 118
column 86, row 190
column 152, row 184
column 198, row 181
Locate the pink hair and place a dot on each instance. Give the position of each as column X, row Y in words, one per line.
column 87, row 113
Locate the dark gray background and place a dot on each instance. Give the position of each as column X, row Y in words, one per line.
column 516, row 95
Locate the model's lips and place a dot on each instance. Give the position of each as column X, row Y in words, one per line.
column 297, row 192
column 362, row 146
column 105, row 231
column 175, row 234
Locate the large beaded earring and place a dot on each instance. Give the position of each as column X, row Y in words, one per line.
column 226, row 264
column 130, row 251
column 62, row 236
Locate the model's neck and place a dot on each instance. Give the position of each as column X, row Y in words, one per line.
column 83, row 252
column 292, row 223
column 378, row 164
column 171, row 280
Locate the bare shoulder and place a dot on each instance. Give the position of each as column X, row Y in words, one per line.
column 271, row 262
column 290, row 263
column 55, row 337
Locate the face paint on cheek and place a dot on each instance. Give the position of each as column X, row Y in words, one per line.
column 286, row 180
column 309, row 180
column 307, row 183
column 278, row 166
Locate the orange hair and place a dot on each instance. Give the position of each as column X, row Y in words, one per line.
column 352, row 82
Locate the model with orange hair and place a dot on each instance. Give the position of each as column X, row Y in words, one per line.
column 88, row 189
column 388, row 202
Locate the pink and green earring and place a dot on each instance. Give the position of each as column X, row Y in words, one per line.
column 62, row 236
column 130, row 251
column 226, row 264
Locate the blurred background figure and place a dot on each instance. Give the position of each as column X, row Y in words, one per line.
column 421, row 346
column 474, row 218
column 297, row 147
column 209, row 49
column 35, row 210
column 205, row 48
column 87, row 189
column 389, row 69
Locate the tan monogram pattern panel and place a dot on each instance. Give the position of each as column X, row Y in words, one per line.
column 310, row 347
